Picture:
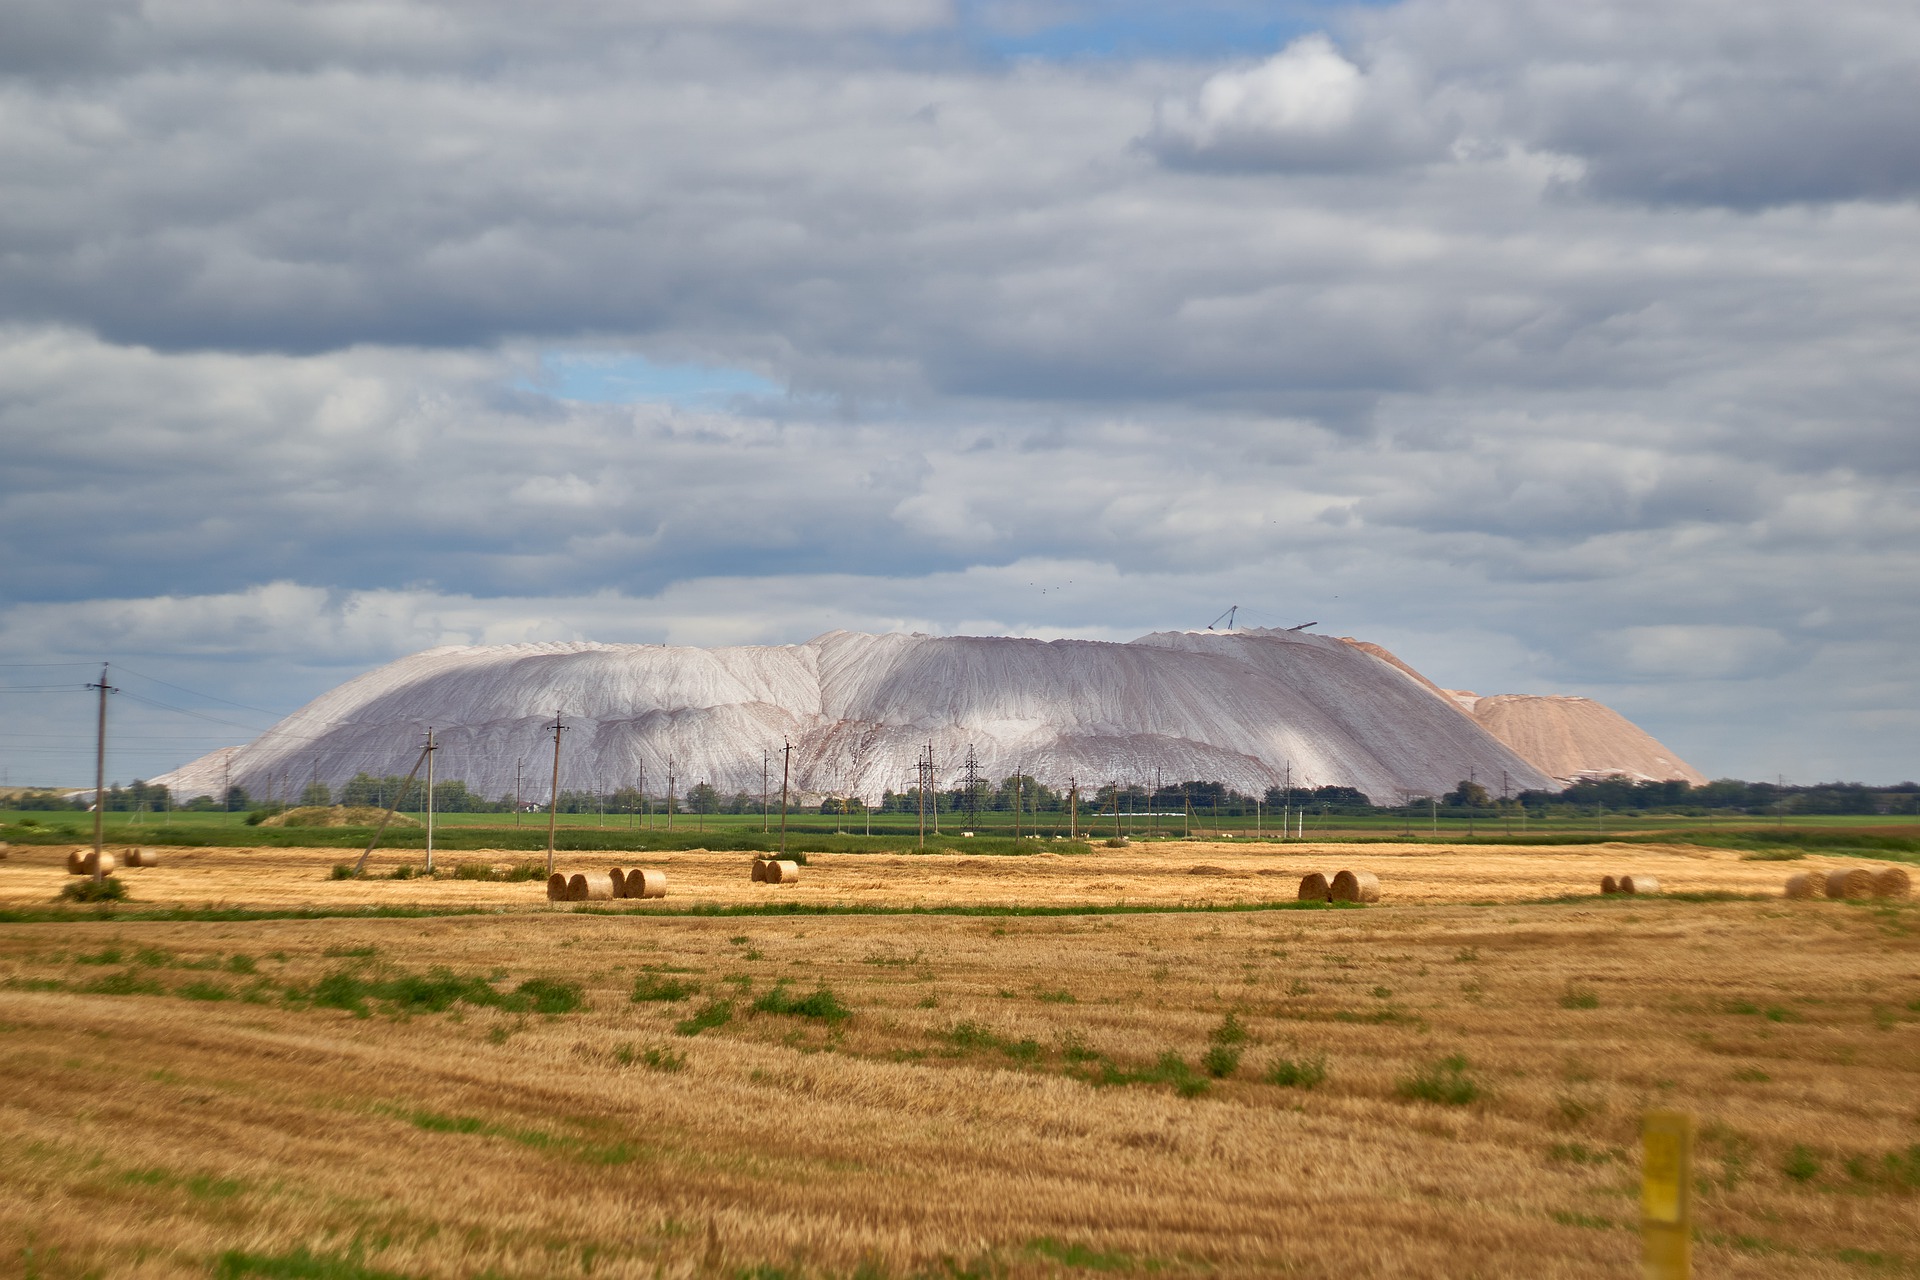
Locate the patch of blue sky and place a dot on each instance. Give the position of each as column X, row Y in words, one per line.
column 617, row 378
column 1068, row 29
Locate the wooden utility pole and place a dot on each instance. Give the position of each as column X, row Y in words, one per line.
column 100, row 779
column 430, row 750
column 517, row 766
column 766, row 761
column 786, row 769
column 1073, row 808
column 672, row 778
column 388, row 816
column 553, row 799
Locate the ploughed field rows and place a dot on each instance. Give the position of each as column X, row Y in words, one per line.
column 1163, row 873
column 1432, row 1090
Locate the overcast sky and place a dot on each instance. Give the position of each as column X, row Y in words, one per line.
column 1558, row 347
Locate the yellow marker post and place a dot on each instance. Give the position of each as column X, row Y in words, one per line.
column 1666, row 1196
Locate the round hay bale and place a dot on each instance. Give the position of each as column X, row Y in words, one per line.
column 646, row 884
column 143, row 857
column 1313, row 888
column 1854, row 882
column 619, row 878
column 589, row 886
column 783, row 873
column 759, row 870
column 107, row 862
column 557, row 887
column 1803, row 885
column 1354, row 886
column 1892, row 882
column 1639, row 884
column 1609, row 885
column 76, row 862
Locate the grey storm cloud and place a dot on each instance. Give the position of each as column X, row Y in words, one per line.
column 1561, row 347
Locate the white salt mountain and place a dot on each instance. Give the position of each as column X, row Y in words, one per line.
column 1238, row 707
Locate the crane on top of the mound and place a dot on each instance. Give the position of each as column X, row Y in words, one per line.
column 1232, row 613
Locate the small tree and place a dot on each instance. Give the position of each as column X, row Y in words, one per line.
column 316, row 793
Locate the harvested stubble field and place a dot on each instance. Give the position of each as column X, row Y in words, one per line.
column 1422, row 1088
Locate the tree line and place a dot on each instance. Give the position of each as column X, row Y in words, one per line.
column 1026, row 794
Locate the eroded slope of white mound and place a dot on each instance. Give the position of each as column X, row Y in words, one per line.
column 1239, row 707
column 1573, row 738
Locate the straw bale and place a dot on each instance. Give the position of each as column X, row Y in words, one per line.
column 759, row 870
column 1609, row 885
column 1355, row 886
column 1804, row 885
column 783, row 873
column 589, row 886
column 1853, row 882
column 5, row 850
column 619, row 878
column 557, row 887
column 1892, row 882
column 142, row 858
column 1313, row 888
column 646, row 883
column 76, row 862
column 1639, row 884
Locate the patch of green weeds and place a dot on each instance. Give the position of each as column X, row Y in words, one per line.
column 351, row 953
column 110, row 954
column 1170, row 1068
column 1445, row 1082
column 651, row 986
column 1579, row 997
column 1079, row 1256
column 821, row 1003
column 127, row 982
column 299, row 1264
column 1801, row 1164
column 1297, row 1073
column 1466, row 955
column 87, row 889
column 1751, row 1075
column 204, row 990
column 973, row 1035
column 241, row 964
column 537, row 1139
column 341, row 871
column 1577, row 1153
column 1055, row 997
column 653, row 1058
column 715, row 1013
column 437, row 991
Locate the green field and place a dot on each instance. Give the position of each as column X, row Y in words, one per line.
column 994, row 832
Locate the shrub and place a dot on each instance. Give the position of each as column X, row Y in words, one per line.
column 1115, row 842
column 341, row 871
column 526, row 871
column 1445, row 1082
column 1304, row 1073
column 655, row 1058
column 1229, row 1031
column 1221, row 1061
column 87, row 889
column 475, row 871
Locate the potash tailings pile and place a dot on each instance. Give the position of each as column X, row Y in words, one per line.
column 1250, row 708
